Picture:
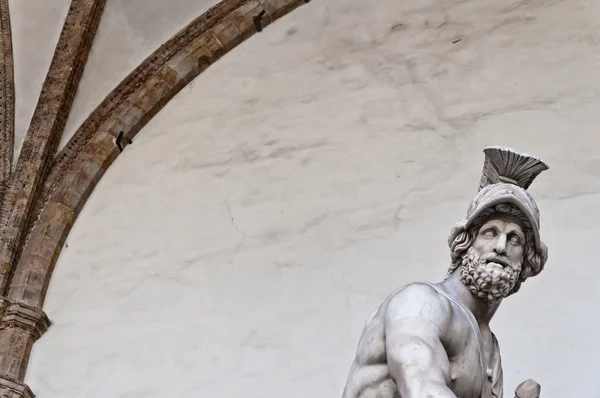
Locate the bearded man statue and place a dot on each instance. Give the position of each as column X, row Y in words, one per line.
column 434, row 340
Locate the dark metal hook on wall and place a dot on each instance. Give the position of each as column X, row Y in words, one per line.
column 120, row 139
column 257, row 21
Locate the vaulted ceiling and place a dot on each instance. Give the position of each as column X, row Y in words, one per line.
column 139, row 58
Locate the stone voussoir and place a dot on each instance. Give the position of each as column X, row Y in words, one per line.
column 206, row 50
column 234, row 29
column 78, row 183
column 114, row 125
column 144, row 98
column 130, row 115
column 185, row 68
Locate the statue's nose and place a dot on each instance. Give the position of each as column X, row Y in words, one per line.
column 500, row 246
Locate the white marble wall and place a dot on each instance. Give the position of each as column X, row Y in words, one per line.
column 236, row 248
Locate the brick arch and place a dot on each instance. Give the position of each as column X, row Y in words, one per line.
column 123, row 113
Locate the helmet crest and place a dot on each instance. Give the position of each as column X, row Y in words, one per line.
column 506, row 176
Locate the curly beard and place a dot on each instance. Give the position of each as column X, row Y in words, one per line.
column 485, row 281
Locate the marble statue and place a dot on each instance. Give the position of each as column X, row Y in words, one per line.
column 434, row 340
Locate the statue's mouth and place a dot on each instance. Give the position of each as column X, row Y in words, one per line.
column 501, row 262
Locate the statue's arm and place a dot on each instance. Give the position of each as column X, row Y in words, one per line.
column 417, row 359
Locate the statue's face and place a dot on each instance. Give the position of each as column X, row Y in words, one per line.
column 492, row 265
column 501, row 239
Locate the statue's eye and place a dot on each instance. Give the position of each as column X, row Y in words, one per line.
column 515, row 240
column 489, row 233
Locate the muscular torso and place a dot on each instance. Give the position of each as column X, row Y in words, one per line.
column 463, row 342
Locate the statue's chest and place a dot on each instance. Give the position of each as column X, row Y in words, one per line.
column 467, row 375
column 471, row 361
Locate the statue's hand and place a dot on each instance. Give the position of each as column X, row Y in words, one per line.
column 528, row 389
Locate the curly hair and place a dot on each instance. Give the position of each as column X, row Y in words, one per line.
column 532, row 260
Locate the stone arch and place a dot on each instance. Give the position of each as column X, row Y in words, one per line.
column 95, row 145
column 113, row 124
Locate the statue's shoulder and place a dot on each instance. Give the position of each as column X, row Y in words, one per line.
column 417, row 300
column 420, row 290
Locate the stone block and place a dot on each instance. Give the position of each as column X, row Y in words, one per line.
column 528, row 389
column 184, row 67
column 144, row 98
column 206, row 50
column 228, row 33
